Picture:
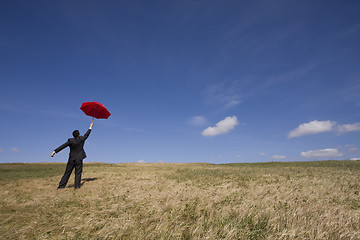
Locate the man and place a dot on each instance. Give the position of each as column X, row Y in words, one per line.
column 76, row 156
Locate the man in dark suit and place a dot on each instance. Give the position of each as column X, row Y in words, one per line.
column 76, row 156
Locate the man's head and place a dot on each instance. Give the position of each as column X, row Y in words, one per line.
column 76, row 133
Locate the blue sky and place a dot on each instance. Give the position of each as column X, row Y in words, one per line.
column 185, row 81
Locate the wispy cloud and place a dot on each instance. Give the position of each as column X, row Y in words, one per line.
column 135, row 130
column 312, row 127
column 289, row 76
column 14, row 149
column 197, row 121
column 223, row 95
column 12, row 108
column 322, row 153
column 348, row 128
column 278, row 157
column 37, row 111
column 221, row 127
column 1, row 149
column 353, row 149
column 232, row 102
column 216, row 157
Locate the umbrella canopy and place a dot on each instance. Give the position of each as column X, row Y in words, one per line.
column 95, row 109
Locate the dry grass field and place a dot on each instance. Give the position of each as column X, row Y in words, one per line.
column 305, row 200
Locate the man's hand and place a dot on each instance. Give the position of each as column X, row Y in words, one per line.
column 52, row 154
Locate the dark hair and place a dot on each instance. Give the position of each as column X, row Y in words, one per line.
column 76, row 133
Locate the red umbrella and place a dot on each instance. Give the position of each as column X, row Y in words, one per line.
column 95, row 109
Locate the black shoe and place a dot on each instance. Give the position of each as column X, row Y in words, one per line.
column 60, row 188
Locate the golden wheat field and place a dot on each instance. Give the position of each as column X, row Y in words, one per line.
column 299, row 200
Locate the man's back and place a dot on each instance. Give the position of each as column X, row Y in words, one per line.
column 76, row 146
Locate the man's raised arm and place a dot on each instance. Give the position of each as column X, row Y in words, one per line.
column 86, row 135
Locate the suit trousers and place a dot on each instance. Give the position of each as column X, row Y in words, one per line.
column 72, row 163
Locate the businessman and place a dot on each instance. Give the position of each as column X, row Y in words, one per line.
column 76, row 156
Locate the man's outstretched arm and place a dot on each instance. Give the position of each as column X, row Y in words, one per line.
column 60, row 148
column 86, row 135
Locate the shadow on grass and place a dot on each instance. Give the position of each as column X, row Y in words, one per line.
column 83, row 181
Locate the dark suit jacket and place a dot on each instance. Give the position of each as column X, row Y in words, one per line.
column 76, row 147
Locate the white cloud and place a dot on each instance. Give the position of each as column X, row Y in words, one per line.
column 262, row 154
column 278, row 157
column 312, row 127
column 348, row 128
column 141, row 161
column 355, row 159
column 316, row 126
column 14, row 149
column 221, row 127
column 197, row 121
column 323, row 153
